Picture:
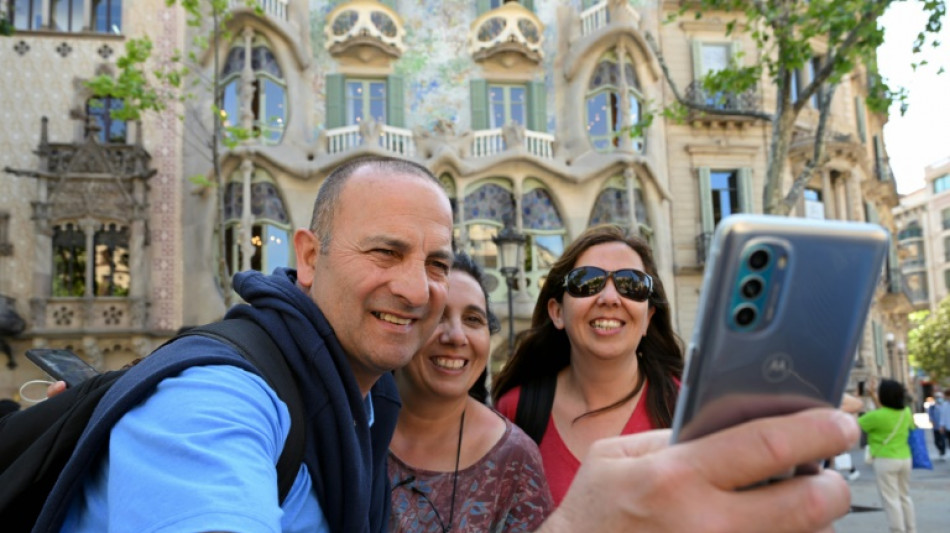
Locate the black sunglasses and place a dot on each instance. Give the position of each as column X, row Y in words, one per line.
column 589, row 280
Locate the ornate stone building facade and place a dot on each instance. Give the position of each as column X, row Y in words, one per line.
column 520, row 108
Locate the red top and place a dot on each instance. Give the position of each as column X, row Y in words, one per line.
column 560, row 465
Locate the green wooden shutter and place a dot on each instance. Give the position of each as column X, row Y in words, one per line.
column 697, row 60
column 336, row 104
column 735, row 49
column 395, row 102
column 871, row 213
column 861, row 118
column 879, row 158
column 744, row 178
column 894, row 269
column 528, row 4
column 705, row 201
column 537, row 106
column 878, row 343
column 482, row 6
column 479, row 99
column 391, row 4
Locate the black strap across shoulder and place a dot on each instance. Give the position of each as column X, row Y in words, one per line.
column 256, row 346
column 534, row 406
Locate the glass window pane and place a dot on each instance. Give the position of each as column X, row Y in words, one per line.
column 496, row 98
column 597, row 115
column 517, row 105
column 115, row 17
column 378, row 101
column 276, row 248
column 231, row 105
column 274, row 112
column 715, row 57
column 354, row 102
column 548, row 249
column 111, row 268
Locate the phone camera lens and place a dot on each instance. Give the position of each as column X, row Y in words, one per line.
column 759, row 259
column 751, row 288
column 745, row 315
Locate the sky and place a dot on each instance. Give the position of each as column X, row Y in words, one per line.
column 922, row 136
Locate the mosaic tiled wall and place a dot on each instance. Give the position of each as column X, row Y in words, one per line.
column 437, row 65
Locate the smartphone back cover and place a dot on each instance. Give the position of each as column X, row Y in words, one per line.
column 798, row 351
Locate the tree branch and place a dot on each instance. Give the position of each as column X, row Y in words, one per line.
column 838, row 52
column 819, row 149
column 710, row 110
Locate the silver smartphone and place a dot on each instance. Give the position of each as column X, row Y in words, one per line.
column 782, row 307
column 62, row 365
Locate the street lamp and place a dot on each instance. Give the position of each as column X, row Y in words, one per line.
column 509, row 241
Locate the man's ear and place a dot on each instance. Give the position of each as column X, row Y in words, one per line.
column 306, row 246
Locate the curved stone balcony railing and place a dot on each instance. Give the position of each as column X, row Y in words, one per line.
column 391, row 139
column 488, row 143
column 273, row 8
column 509, row 28
column 365, row 23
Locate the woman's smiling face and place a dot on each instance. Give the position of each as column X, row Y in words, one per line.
column 605, row 325
column 456, row 354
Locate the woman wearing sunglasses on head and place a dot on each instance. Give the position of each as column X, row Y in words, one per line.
column 601, row 339
column 454, row 463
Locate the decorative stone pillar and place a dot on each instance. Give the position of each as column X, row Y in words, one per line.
column 247, row 81
column 247, row 218
column 89, row 227
column 629, row 181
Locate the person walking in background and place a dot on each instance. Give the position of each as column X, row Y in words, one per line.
column 601, row 336
column 939, row 430
column 888, row 427
column 455, row 463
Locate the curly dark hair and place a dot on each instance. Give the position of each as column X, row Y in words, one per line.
column 543, row 350
column 891, row 393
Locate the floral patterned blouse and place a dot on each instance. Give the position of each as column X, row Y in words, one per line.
column 505, row 491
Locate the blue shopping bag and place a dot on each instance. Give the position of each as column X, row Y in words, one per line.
column 918, row 449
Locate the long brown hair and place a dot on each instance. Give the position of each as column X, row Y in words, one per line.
column 544, row 350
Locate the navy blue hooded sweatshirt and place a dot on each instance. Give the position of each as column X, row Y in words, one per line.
column 345, row 457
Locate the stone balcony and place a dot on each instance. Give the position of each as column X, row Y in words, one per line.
column 365, row 28
column 507, row 32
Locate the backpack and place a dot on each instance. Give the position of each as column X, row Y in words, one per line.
column 534, row 406
column 36, row 444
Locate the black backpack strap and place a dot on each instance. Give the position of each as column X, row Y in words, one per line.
column 256, row 345
column 534, row 406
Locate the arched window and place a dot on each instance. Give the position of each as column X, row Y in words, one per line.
column 613, row 205
column 269, row 91
column 613, row 102
column 270, row 226
column 488, row 207
column 544, row 229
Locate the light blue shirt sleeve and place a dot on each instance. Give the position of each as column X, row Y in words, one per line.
column 198, row 455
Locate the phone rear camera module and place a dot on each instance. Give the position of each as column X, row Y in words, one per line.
column 752, row 287
column 745, row 315
column 759, row 259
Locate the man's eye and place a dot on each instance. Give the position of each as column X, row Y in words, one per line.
column 383, row 251
column 441, row 267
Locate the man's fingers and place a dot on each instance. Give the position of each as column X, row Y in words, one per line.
column 804, row 503
column 55, row 388
column 781, row 443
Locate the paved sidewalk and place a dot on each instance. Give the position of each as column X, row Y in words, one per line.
column 930, row 490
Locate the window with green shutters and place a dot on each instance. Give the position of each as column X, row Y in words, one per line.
column 351, row 100
column 494, row 105
column 723, row 192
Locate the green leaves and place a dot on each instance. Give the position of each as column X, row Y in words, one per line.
column 929, row 342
